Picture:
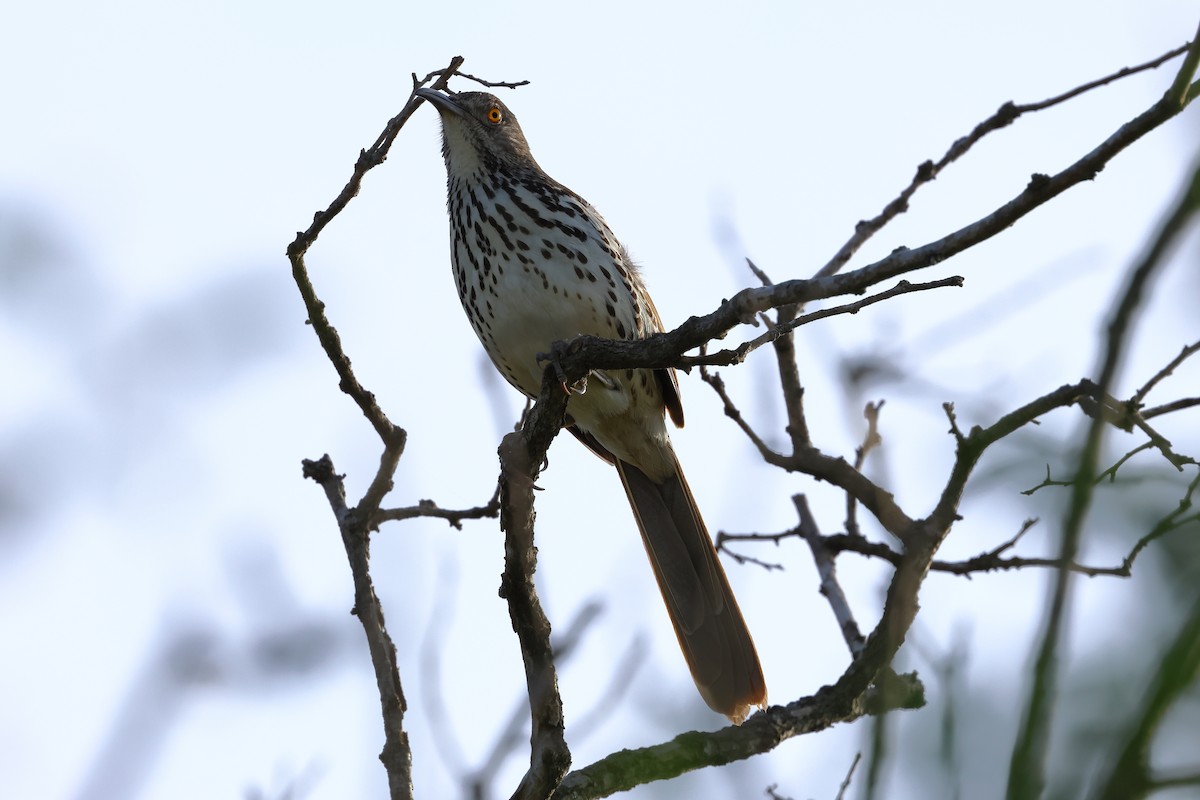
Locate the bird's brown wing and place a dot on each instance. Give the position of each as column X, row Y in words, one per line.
column 590, row 442
column 667, row 381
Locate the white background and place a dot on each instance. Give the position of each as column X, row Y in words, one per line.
column 160, row 386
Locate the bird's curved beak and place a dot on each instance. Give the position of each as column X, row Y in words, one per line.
column 443, row 103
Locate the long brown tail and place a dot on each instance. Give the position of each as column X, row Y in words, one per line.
column 708, row 623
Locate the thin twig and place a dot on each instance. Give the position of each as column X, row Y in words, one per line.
column 1153, row 63
column 971, row 446
column 782, row 328
column 396, row 755
column 928, row 170
column 788, row 369
column 494, row 84
column 1111, row 472
column 831, row 590
column 1172, row 407
column 741, row 558
column 871, row 440
column 428, row 508
column 1160, row 442
column 774, row 538
column 1140, row 395
column 1173, row 520
column 714, row 380
column 849, row 774
column 392, row 436
column 990, row 561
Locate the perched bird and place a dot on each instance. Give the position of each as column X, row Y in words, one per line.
column 535, row 263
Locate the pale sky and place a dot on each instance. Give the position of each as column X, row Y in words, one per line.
column 161, row 387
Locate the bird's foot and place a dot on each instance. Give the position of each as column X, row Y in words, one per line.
column 554, row 357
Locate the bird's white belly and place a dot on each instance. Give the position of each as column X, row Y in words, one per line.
column 625, row 418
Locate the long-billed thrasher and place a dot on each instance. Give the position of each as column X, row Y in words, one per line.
column 534, row 264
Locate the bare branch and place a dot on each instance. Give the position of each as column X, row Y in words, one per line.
column 355, row 524
column 396, row 755
column 826, row 568
column 428, row 508
column 1160, row 442
column 1172, row 407
column 1188, row 350
column 521, row 456
column 1111, row 472
column 774, row 538
column 494, row 84
column 990, row 561
column 392, row 436
column 928, row 170
column 714, row 380
column 781, row 329
column 740, row 558
column 789, row 373
column 1171, row 521
column 849, row 775
column 1124, row 72
column 970, row 447
column 871, row 440
column 761, row 733
column 758, row 273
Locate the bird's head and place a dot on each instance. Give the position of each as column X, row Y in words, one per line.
column 479, row 130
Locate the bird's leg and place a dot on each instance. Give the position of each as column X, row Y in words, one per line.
column 603, row 379
column 557, row 349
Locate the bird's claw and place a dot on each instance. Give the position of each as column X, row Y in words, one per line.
column 556, row 349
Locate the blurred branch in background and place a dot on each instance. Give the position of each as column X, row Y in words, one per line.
column 286, row 649
column 1027, row 773
column 1131, row 774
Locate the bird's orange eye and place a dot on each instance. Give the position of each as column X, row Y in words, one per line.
column 495, row 115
